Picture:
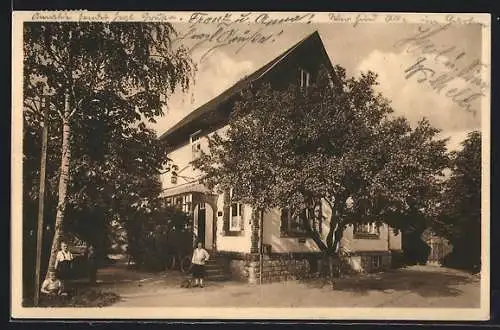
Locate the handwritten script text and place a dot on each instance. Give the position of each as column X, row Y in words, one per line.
column 445, row 68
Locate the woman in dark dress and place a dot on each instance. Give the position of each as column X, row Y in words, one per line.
column 63, row 263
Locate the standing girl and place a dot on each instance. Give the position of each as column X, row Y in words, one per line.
column 200, row 256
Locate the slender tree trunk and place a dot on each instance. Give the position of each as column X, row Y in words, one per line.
column 261, row 245
column 333, row 241
column 334, row 258
column 41, row 200
column 63, row 183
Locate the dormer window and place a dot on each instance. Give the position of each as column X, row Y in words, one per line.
column 195, row 140
column 305, row 78
column 195, row 137
column 330, row 80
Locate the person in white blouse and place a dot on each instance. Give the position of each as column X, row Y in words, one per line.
column 200, row 256
column 63, row 262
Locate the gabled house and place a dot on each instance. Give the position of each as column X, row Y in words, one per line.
column 230, row 230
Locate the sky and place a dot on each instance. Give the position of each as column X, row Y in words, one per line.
column 358, row 49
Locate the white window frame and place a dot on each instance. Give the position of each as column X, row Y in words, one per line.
column 168, row 201
column 196, row 136
column 291, row 229
column 187, row 201
column 367, row 229
column 305, row 78
column 376, row 261
column 234, row 220
column 195, row 142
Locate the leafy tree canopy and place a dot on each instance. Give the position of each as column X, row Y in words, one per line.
column 459, row 211
column 337, row 140
column 101, row 82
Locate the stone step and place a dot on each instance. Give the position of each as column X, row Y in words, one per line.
column 214, row 270
column 217, row 277
column 211, row 262
column 212, row 266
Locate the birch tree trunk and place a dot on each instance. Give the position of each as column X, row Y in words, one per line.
column 63, row 183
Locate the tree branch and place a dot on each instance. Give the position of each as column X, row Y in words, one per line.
column 34, row 107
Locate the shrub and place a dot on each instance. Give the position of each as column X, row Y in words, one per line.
column 397, row 259
column 155, row 236
column 87, row 298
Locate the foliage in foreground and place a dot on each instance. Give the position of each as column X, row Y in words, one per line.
column 460, row 217
column 158, row 235
column 99, row 82
column 83, row 298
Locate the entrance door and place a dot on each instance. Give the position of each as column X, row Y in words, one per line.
column 201, row 222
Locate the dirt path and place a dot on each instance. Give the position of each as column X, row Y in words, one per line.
column 419, row 286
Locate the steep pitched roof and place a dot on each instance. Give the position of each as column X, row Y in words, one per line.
column 213, row 105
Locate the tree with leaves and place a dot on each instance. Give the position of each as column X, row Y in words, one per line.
column 155, row 237
column 337, row 141
column 123, row 70
column 459, row 213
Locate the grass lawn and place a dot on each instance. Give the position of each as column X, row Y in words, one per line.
column 81, row 297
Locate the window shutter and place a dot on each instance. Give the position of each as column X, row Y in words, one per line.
column 304, row 220
column 242, row 217
column 225, row 211
column 284, row 221
column 320, row 220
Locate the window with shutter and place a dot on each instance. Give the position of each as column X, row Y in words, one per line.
column 235, row 221
column 304, row 78
column 195, row 140
column 225, row 212
column 366, row 230
column 233, row 214
column 294, row 224
column 167, row 201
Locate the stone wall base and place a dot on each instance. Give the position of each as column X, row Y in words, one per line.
column 275, row 268
column 283, row 267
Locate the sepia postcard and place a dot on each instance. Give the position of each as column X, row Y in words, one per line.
column 250, row 165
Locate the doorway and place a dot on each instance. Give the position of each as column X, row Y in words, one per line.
column 201, row 223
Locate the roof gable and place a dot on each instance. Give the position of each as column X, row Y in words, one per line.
column 211, row 113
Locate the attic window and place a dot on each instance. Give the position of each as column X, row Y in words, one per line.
column 195, row 137
column 330, row 80
column 305, row 78
column 196, row 144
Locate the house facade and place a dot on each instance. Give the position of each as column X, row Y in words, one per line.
column 231, row 230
